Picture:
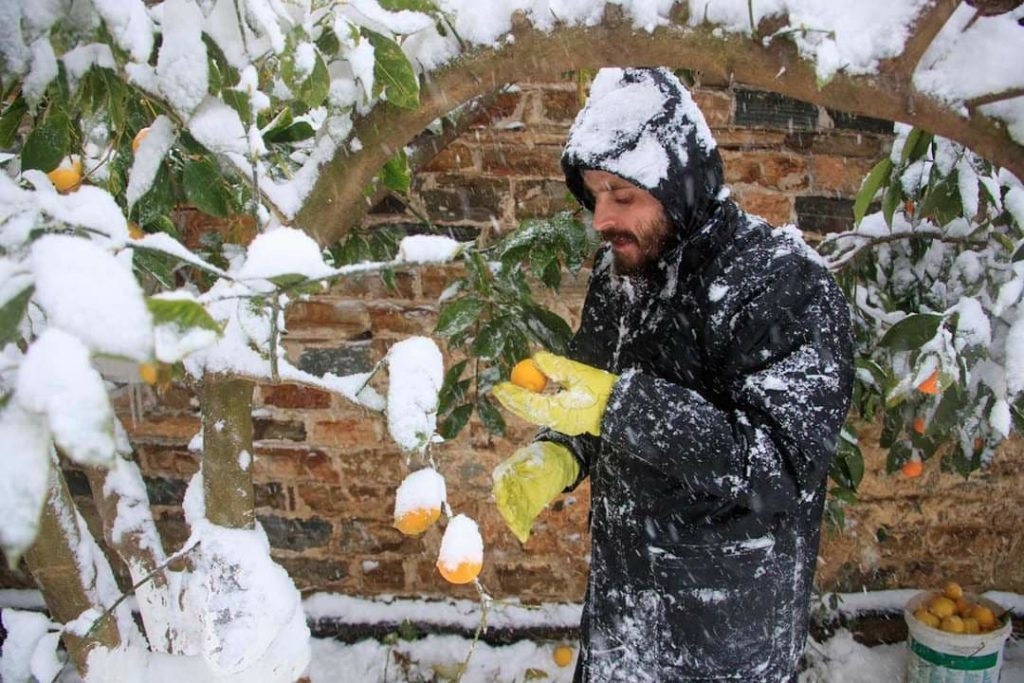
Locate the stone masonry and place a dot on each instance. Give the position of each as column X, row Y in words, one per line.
column 326, row 471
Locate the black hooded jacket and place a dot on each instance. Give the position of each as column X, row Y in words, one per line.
column 734, row 355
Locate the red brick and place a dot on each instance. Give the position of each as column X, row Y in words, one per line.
column 503, row 106
column 293, row 396
column 543, row 161
column 560, row 105
column 715, row 105
column 170, row 427
column 167, row 460
column 347, row 432
column 454, row 157
column 387, row 576
column 840, row 175
column 745, row 138
column 774, row 207
column 322, row 499
column 345, row 319
column 436, row 279
column 768, row 169
column 371, row 286
column 401, row 320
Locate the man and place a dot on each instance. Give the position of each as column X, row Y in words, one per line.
column 707, row 386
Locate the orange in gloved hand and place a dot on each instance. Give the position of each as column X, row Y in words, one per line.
column 527, row 375
column 577, row 408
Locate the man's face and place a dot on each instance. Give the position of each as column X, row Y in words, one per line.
column 629, row 218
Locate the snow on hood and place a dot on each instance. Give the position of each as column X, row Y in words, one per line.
column 642, row 125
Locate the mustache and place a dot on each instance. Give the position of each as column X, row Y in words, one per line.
column 609, row 235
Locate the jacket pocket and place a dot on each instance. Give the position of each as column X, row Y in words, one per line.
column 720, row 606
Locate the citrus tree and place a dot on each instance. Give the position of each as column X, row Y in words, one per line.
column 283, row 117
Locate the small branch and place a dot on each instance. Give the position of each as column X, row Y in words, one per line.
column 994, row 97
column 275, row 311
column 138, row 584
column 871, row 241
column 927, row 26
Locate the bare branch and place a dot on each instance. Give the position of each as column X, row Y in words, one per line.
column 927, row 27
column 871, row 241
column 336, row 203
column 992, row 98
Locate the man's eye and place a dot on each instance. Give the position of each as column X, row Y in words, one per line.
column 623, row 197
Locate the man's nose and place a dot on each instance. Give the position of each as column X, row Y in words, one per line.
column 605, row 218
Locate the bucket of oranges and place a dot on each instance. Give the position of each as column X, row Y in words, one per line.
column 955, row 636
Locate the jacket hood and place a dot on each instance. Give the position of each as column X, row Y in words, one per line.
column 642, row 125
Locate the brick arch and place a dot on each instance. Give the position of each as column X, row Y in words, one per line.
column 336, row 201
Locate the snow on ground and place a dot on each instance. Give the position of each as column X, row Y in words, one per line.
column 839, row 659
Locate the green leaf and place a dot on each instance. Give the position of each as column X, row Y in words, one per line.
column 892, row 425
column 912, row 332
column 328, row 43
column 205, row 188
column 490, row 416
column 449, row 392
column 396, row 174
column 490, row 340
column 899, row 454
column 847, row 468
column 412, row 5
column 239, row 101
column 453, row 424
column 392, row 70
column 281, row 120
column 157, row 265
column 891, row 202
column 387, row 276
column 158, row 201
column 10, row 121
column 184, row 313
column 457, row 316
column 47, row 144
column 313, row 90
column 11, row 314
column 916, row 146
column 946, row 414
column 874, row 180
column 296, row 132
column 942, row 203
column 548, row 328
column 1005, row 242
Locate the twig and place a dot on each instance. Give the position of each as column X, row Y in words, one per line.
column 485, row 608
column 991, row 98
column 275, row 311
column 874, row 240
column 131, row 591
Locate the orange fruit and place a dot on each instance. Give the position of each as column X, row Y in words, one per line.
column 919, row 425
column 66, row 179
column 971, row 625
column 139, row 137
column 953, row 591
column 926, row 617
column 149, row 373
column 463, row 572
column 941, row 606
column 984, row 616
column 930, row 385
column 527, row 375
column 963, row 608
column 562, row 655
column 134, row 231
column 415, row 522
column 952, row 624
column 912, row 469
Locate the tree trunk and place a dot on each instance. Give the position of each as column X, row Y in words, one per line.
column 227, row 451
column 68, row 566
column 121, row 491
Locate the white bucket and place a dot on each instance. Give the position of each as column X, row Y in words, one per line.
column 936, row 656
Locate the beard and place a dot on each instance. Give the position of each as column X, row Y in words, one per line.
column 646, row 243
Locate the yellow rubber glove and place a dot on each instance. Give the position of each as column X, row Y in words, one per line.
column 578, row 408
column 528, row 480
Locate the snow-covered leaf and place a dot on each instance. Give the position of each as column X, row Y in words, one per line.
column 457, row 316
column 56, row 379
column 24, row 471
column 416, row 371
column 11, row 313
column 47, row 143
column 392, row 72
column 86, row 291
column 911, row 332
